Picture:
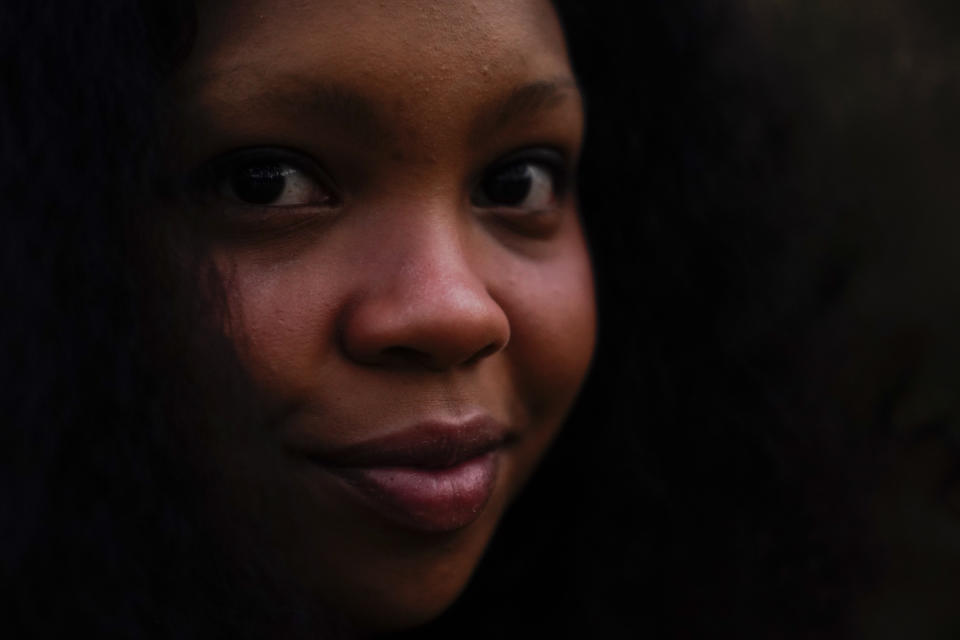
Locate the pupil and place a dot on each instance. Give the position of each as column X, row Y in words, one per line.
column 510, row 186
column 259, row 183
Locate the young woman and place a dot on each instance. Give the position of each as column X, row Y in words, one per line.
column 298, row 296
column 348, row 306
column 387, row 194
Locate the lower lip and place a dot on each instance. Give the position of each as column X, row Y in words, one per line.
column 430, row 500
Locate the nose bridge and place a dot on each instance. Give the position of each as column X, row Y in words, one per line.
column 434, row 265
column 424, row 301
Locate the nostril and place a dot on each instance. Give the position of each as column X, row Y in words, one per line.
column 397, row 355
column 410, row 355
column 488, row 350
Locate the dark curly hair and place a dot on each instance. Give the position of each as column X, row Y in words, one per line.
column 103, row 513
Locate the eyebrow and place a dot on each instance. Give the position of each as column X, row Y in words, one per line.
column 355, row 113
column 366, row 120
column 525, row 101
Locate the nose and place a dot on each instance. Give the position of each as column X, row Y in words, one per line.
column 424, row 305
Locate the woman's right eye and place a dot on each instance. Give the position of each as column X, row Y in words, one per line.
column 272, row 183
column 263, row 180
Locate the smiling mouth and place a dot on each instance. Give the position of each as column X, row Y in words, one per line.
column 433, row 477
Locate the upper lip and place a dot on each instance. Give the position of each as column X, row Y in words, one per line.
column 434, row 444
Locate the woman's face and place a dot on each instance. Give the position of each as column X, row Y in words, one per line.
column 388, row 189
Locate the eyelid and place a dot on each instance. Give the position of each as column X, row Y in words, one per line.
column 555, row 160
column 546, row 155
column 204, row 180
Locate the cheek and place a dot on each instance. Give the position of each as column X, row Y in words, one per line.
column 281, row 318
column 553, row 323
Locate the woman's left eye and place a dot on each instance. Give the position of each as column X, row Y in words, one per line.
column 524, row 184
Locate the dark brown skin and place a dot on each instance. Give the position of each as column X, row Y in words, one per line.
column 382, row 289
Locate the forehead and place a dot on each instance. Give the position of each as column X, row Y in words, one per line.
column 416, row 48
column 422, row 79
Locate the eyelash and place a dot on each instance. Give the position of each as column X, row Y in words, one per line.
column 217, row 179
column 541, row 172
column 546, row 160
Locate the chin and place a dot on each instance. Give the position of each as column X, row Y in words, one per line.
column 405, row 604
column 402, row 616
column 392, row 579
